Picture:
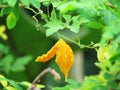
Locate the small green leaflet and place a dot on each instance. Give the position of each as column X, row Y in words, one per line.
column 11, row 2
column 8, row 63
column 72, row 23
column 35, row 3
column 11, row 21
column 53, row 26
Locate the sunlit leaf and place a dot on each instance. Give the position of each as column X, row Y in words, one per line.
column 76, row 22
column 67, row 18
column 54, row 29
column 2, row 30
column 10, row 88
column 74, row 84
column 28, row 84
column 3, row 81
column 53, row 26
column 11, row 20
column 14, row 85
column 95, row 25
column 55, row 3
column 46, row 3
column 11, row 2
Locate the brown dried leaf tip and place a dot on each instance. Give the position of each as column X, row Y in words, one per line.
column 64, row 56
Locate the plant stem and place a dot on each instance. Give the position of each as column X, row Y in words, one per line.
column 91, row 46
column 41, row 74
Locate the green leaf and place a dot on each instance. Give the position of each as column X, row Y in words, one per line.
column 95, row 25
column 53, row 26
column 19, row 64
column 3, row 49
column 67, row 18
column 40, row 86
column 100, row 87
column 5, row 63
column 54, row 29
column 115, row 58
column 53, row 14
column 5, row 11
column 55, row 3
column 112, row 85
column 63, row 88
column 43, row 16
column 118, row 39
column 76, row 22
column 69, row 6
column 108, row 32
column 73, row 83
column 10, row 88
column 28, row 84
column 118, row 76
column 15, row 85
column 46, row 3
column 11, row 21
column 108, row 16
column 3, row 81
column 4, row 1
column 115, row 3
column 108, row 76
column 35, row 3
column 11, row 2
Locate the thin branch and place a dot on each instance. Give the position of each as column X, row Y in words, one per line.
column 90, row 46
column 41, row 74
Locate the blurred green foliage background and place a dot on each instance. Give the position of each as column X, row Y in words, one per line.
column 28, row 29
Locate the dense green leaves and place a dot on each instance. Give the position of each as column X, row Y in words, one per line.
column 72, row 85
column 8, row 64
column 71, row 23
column 19, row 64
column 5, row 63
column 115, row 3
